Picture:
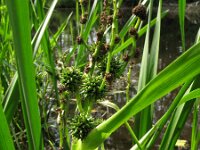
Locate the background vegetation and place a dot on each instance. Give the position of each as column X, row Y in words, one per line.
column 49, row 94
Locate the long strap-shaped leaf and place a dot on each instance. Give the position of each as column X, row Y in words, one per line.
column 181, row 8
column 19, row 17
column 6, row 141
column 178, row 120
column 178, row 72
column 11, row 98
column 145, row 114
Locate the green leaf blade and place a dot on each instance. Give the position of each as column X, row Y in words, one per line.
column 181, row 8
column 6, row 142
column 19, row 17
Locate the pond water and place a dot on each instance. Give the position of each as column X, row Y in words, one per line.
column 170, row 49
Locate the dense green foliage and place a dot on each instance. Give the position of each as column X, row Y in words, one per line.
column 50, row 94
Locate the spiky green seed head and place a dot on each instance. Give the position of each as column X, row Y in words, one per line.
column 71, row 78
column 81, row 125
column 90, row 89
column 115, row 66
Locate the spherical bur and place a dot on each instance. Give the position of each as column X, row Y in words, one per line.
column 133, row 32
column 107, row 47
column 99, row 34
column 87, row 68
column 117, row 39
column 119, row 14
column 109, row 19
column 140, row 11
column 79, row 40
column 126, row 58
column 137, row 53
column 81, row 125
column 108, row 77
column 103, row 18
column 84, row 2
column 90, row 88
column 71, row 78
column 83, row 20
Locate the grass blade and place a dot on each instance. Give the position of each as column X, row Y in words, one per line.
column 44, row 26
column 152, row 65
column 43, row 38
column 158, row 126
column 81, row 57
column 11, row 99
column 194, row 139
column 19, row 17
column 142, row 124
column 6, row 141
column 153, row 22
column 166, row 142
column 181, row 8
column 178, row 120
column 60, row 30
column 193, row 94
column 123, row 46
column 153, row 61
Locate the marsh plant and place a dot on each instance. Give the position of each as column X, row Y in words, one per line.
column 49, row 94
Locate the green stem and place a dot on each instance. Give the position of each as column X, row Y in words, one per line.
column 61, row 128
column 133, row 135
column 137, row 23
column 128, row 84
column 194, row 142
column 112, row 41
column 79, row 104
column 83, row 12
column 92, row 68
column 77, row 14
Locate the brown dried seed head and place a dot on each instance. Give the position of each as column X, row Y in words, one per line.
column 107, row 47
column 108, row 77
column 140, row 11
column 137, row 53
column 109, row 19
column 104, row 48
column 87, row 68
column 99, row 35
column 61, row 148
column 83, row 2
column 126, row 58
column 117, row 39
column 79, row 40
column 119, row 14
column 133, row 32
column 103, row 18
column 83, row 19
column 85, row 14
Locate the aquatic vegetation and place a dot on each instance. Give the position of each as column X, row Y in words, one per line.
column 50, row 94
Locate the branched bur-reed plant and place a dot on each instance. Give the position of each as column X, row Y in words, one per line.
column 50, row 100
column 99, row 61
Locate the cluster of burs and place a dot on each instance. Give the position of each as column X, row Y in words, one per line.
column 89, row 84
